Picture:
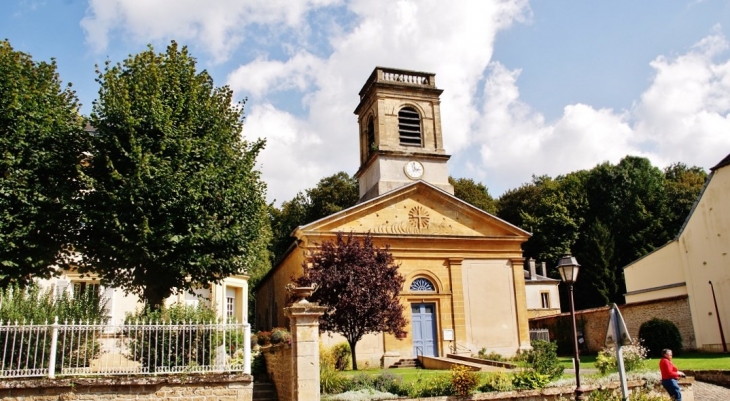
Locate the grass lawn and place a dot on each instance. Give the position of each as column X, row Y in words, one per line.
column 698, row 361
column 586, row 361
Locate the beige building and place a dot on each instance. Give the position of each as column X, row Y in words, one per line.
column 541, row 292
column 694, row 263
column 230, row 297
column 465, row 284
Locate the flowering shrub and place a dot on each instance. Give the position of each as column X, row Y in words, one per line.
column 280, row 336
column 634, row 357
column 263, row 338
column 464, row 380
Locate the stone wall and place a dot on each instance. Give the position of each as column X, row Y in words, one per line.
column 594, row 322
column 718, row 377
column 198, row 387
column 280, row 369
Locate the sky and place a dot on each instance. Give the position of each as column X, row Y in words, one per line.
column 530, row 87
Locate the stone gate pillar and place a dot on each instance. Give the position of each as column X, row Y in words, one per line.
column 304, row 327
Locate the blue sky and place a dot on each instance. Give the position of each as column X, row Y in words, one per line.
column 531, row 87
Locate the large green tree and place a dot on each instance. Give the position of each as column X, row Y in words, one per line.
column 177, row 202
column 41, row 147
column 331, row 194
column 473, row 193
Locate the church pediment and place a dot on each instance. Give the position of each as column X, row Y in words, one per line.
column 416, row 209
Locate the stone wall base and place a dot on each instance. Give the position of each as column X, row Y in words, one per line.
column 198, row 387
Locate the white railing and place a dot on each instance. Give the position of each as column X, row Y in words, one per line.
column 89, row 348
column 539, row 334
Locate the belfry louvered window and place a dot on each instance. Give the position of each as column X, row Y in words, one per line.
column 409, row 127
column 371, row 136
column 422, row 284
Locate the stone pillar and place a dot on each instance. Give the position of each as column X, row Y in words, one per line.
column 458, row 308
column 304, row 320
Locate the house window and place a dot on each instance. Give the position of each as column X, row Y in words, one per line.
column 83, row 288
column 422, row 284
column 409, row 127
column 545, row 298
column 230, row 308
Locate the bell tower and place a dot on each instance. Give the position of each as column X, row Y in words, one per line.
column 399, row 117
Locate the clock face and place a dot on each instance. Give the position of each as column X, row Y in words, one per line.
column 413, row 169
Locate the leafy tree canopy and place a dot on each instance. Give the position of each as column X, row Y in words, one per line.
column 332, row 194
column 176, row 202
column 42, row 143
column 473, row 193
column 359, row 284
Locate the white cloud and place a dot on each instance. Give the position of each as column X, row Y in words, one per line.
column 218, row 25
column 684, row 115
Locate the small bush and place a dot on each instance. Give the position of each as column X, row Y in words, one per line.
column 341, row 354
column 497, row 381
column 280, row 336
column 434, row 386
column 464, row 380
column 634, row 359
column 529, row 379
column 258, row 363
column 332, row 381
column 636, row 395
column 263, row 338
column 543, row 358
column 657, row 334
column 492, row 356
column 389, row 383
column 361, row 381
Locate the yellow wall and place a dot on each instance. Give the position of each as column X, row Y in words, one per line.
column 701, row 254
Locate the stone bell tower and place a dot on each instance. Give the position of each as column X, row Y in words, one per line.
column 400, row 132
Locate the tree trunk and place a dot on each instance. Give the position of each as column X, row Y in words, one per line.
column 352, row 351
column 153, row 298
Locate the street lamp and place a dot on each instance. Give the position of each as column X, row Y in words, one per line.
column 568, row 268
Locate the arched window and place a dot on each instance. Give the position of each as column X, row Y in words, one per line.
column 409, row 127
column 422, row 284
column 371, row 136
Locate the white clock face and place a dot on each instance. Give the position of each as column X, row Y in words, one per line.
column 413, row 169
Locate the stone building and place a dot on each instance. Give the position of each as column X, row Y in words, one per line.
column 465, row 283
column 694, row 264
column 541, row 292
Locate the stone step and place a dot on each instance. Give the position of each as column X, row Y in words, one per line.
column 406, row 363
column 264, row 391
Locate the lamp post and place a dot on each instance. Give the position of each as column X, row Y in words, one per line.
column 568, row 268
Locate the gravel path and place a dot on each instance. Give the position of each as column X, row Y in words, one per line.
column 710, row 392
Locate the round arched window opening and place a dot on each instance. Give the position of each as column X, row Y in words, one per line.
column 422, row 284
column 409, row 127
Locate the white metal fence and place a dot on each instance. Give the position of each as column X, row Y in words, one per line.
column 88, row 348
column 539, row 334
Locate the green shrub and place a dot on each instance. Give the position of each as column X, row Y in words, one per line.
column 543, row 358
column 657, row 334
column 634, row 359
column 615, row 395
column 464, row 380
column 492, row 356
column 332, row 381
column 40, row 306
column 389, row 383
column 529, row 379
column 497, row 381
column 433, row 386
column 186, row 346
column 258, row 363
column 341, row 354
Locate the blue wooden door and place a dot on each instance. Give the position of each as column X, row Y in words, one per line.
column 423, row 325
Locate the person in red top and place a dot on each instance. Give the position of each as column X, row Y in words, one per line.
column 670, row 374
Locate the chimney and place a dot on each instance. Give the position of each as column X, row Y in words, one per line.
column 532, row 269
column 543, row 269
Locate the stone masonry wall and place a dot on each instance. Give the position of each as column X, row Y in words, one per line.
column 280, row 369
column 198, row 387
column 594, row 322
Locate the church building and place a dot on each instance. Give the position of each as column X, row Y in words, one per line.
column 465, row 283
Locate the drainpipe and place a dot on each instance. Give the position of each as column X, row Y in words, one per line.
column 719, row 322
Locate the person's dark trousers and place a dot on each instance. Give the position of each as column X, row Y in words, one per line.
column 672, row 388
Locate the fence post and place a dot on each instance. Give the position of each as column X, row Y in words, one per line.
column 247, row 349
column 54, row 346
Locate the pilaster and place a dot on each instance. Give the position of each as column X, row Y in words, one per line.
column 523, row 328
column 458, row 309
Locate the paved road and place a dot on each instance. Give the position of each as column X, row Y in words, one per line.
column 710, row 392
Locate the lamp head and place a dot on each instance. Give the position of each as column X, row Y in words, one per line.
column 568, row 268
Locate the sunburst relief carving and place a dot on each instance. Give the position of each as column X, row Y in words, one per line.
column 418, row 217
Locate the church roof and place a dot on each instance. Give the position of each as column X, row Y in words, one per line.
column 724, row 162
column 417, row 208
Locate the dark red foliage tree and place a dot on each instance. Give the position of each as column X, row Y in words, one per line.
column 359, row 284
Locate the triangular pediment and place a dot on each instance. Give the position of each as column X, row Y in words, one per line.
column 417, row 209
